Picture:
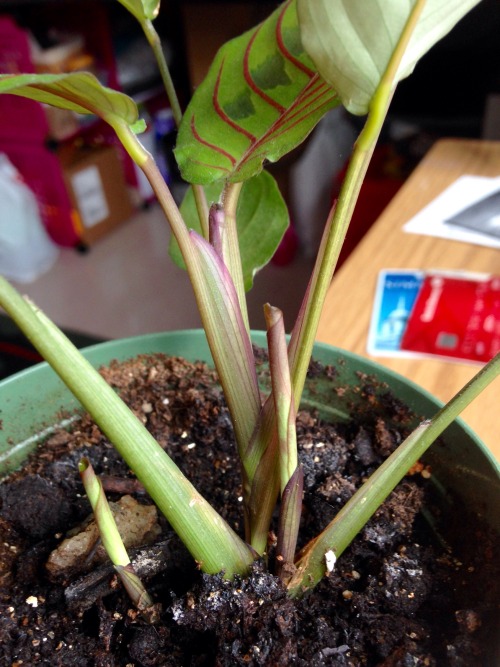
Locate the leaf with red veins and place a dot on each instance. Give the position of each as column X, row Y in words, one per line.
column 260, row 99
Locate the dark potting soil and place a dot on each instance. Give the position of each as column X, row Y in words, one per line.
column 400, row 595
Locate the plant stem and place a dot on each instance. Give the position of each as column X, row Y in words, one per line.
column 232, row 256
column 130, row 142
column 171, row 211
column 206, row 535
column 110, row 536
column 341, row 213
column 202, row 207
column 362, row 505
column 156, row 46
column 242, row 411
column 284, row 406
column 289, row 524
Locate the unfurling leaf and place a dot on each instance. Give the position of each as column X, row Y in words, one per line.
column 261, row 220
column 261, row 98
column 291, row 476
column 229, row 340
column 284, row 403
column 352, row 41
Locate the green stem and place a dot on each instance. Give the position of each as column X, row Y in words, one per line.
column 240, row 411
column 110, row 536
column 172, row 213
column 341, row 214
column 284, row 406
column 202, row 208
column 156, row 46
column 231, row 247
column 129, row 141
column 362, row 505
column 206, row 535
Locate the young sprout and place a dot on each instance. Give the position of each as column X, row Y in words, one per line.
column 111, row 538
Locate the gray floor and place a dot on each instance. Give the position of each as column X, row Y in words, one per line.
column 127, row 285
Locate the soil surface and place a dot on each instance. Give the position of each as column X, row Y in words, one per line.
column 402, row 594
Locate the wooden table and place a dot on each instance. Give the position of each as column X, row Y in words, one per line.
column 348, row 307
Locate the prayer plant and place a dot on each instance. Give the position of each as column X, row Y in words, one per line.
column 264, row 93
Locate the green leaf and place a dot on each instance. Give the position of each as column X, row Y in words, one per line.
column 261, row 98
column 261, row 219
column 78, row 91
column 351, row 41
column 142, row 9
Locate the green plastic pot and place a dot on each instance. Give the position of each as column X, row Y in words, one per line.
column 32, row 401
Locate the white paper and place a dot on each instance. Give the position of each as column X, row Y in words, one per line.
column 90, row 196
column 465, row 191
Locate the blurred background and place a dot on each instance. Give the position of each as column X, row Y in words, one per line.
column 94, row 256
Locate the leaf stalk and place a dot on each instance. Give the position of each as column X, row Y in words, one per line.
column 363, row 504
column 110, row 536
column 156, row 46
column 206, row 535
column 341, row 213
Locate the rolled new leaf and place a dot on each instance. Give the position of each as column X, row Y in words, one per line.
column 229, row 341
column 289, row 523
column 262, row 459
column 284, row 404
column 110, row 536
column 291, row 475
column 271, row 455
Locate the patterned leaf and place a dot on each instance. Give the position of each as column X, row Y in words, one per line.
column 260, row 99
column 351, row 41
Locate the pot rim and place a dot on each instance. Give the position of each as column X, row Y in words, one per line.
column 123, row 348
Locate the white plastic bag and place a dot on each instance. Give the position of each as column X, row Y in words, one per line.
column 26, row 250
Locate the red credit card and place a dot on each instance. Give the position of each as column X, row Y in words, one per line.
column 456, row 317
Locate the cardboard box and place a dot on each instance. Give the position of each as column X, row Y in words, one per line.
column 96, row 187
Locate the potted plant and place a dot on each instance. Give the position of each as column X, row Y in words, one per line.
column 263, row 95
